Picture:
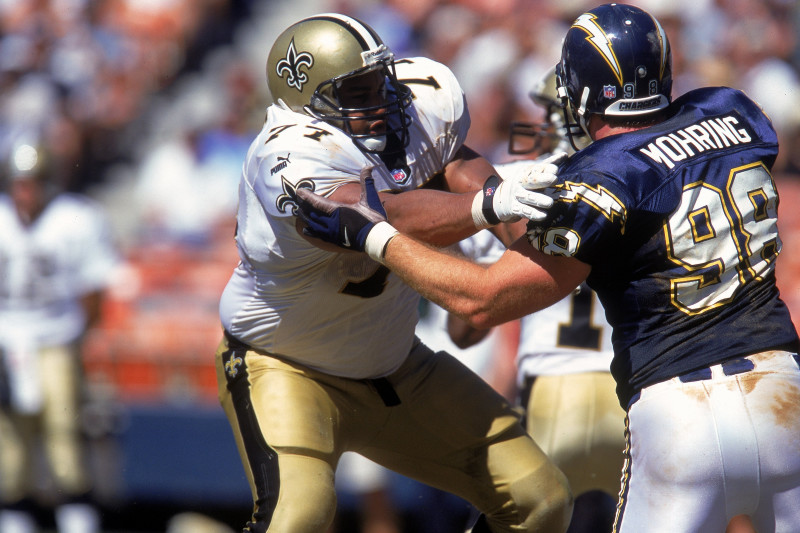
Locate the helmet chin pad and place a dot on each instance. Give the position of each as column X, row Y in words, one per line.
column 376, row 143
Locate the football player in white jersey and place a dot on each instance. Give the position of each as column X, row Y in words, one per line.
column 56, row 260
column 319, row 354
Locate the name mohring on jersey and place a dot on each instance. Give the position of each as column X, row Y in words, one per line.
column 712, row 134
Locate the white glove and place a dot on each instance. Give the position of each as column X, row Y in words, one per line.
column 517, row 195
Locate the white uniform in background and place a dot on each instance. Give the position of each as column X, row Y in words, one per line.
column 569, row 394
column 46, row 268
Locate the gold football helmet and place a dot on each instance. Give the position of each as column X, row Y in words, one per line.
column 309, row 61
column 552, row 134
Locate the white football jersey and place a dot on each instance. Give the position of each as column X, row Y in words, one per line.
column 340, row 313
column 570, row 336
column 45, row 269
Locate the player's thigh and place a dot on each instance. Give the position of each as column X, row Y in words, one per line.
column 17, row 444
column 61, row 388
column 674, row 475
column 61, row 418
column 307, row 502
column 286, row 428
column 450, row 405
column 772, row 396
column 223, row 355
column 288, row 405
column 454, row 432
column 578, row 422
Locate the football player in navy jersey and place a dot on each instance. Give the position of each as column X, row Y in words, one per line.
column 670, row 215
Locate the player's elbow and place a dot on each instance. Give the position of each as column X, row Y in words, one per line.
column 482, row 321
column 480, row 316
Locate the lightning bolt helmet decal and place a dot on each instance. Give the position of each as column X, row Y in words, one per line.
column 598, row 38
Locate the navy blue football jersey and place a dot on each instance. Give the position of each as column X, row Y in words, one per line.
column 679, row 224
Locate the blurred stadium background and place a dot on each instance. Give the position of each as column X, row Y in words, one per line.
column 149, row 106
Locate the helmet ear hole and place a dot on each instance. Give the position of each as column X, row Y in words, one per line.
column 320, row 105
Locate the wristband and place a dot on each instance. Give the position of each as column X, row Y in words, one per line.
column 489, row 189
column 377, row 240
column 477, row 212
column 483, row 215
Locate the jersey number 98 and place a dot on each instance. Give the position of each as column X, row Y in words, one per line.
column 724, row 238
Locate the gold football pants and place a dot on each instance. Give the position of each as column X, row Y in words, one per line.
column 56, row 427
column 577, row 420
column 432, row 420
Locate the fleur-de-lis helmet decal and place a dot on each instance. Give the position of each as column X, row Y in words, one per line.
column 290, row 67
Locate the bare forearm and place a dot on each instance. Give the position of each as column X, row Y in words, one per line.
column 521, row 282
column 435, row 217
column 436, row 275
column 441, row 218
column 432, row 216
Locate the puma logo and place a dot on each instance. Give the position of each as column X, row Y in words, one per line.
column 284, row 162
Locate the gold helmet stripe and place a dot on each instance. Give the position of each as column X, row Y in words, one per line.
column 365, row 35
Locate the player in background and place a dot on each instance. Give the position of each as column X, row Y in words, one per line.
column 56, row 260
column 564, row 358
column 563, row 354
column 319, row 354
column 670, row 215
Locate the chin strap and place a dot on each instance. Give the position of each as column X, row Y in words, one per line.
column 567, row 110
column 582, row 111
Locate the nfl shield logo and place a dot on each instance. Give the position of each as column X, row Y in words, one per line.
column 609, row 91
column 399, row 175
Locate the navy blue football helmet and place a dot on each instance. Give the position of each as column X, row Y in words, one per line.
column 615, row 62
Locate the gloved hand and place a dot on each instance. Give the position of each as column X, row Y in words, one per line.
column 517, row 195
column 348, row 226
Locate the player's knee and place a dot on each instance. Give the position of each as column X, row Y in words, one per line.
column 552, row 508
column 301, row 516
column 305, row 508
column 543, row 501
